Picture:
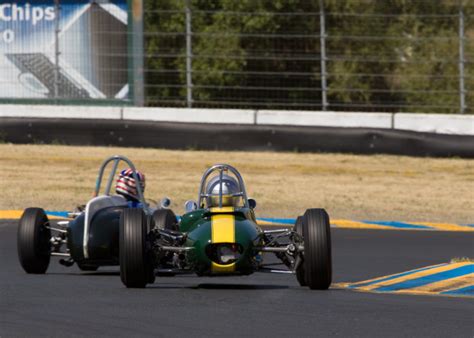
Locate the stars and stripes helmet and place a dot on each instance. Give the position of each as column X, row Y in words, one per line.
column 127, row 186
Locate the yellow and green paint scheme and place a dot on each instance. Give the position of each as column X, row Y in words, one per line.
column 206, row 228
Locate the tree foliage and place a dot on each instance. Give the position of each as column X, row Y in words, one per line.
column 393, row 55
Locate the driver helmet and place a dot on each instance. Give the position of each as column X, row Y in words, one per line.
column 126, row 185
column 230, row 187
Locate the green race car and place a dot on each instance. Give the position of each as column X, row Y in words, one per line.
column 219, row 236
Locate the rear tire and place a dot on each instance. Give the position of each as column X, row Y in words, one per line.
column 300, row 274
column 165, row 219
column 33, row 241
column 135, row 266
column 317, row 249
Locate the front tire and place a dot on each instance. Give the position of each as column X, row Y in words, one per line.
column 317, row 249
column 135, row 266
column 33, row 241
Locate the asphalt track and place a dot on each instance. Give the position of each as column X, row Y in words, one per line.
column 66, row 302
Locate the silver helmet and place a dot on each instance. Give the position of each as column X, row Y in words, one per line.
column 230, row 191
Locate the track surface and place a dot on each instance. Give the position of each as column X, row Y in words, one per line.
column 66, row 302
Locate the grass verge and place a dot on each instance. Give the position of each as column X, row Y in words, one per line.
column 380, row 187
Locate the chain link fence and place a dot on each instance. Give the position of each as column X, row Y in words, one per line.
column 384, row 56
column 353, row 55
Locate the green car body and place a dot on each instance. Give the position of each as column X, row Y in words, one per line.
column 208, row 228
column 219, row 236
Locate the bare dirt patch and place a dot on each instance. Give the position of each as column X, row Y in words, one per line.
column 357, row 187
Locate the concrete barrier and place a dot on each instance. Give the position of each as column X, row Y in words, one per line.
column 435, row 123
column 71, row 112
column 190, row 115
column 325, row 119
column 426, row 123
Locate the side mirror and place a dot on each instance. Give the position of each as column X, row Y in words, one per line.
column 190, row 206
column 252, row 203
column 165, row 203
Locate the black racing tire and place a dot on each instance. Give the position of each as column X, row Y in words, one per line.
column 165, row 219
column 317, row 249
column 33, row 241
column 87, row 267
column 300, row 274
column 135, row 266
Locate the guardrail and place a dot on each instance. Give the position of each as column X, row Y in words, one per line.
column 430, row 123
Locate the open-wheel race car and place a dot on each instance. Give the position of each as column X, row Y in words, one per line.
column 219, row 236
column 91, row 238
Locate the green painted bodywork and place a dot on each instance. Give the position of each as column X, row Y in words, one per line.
column 198, row 227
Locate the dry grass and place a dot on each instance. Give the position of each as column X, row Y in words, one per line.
column 284, row 184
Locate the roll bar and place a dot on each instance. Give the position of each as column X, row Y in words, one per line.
column 116, row 159
column 222, row 168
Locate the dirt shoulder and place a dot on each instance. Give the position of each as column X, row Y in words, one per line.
column 379, row 187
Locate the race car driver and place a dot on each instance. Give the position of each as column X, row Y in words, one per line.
column 127, row 187
column 230, row 191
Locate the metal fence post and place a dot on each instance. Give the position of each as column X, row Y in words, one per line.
column 137, row 53
column 322, row 32
column 57, row 11
column 462, row 92
column 189, row 57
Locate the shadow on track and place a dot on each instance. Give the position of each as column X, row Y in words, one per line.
column 86, row 274
column 163, row 282
column 210, row 286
